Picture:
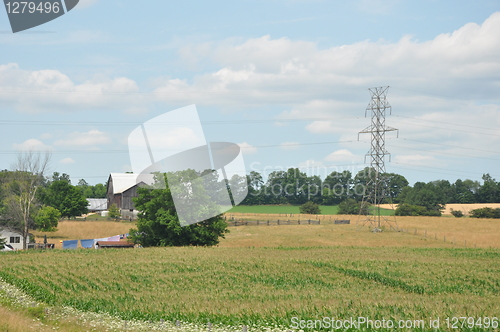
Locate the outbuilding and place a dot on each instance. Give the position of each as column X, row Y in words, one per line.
column 113, row 244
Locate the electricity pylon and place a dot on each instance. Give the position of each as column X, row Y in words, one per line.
column 376, row 190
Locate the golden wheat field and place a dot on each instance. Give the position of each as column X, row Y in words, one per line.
column 413, row 232
column 465, row 208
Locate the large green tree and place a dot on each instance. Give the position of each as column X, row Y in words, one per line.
column 63, row 196
column 489, row 192
column 89, row 191
column 47, row 219
column 159, row 225
column 255, row 183
column 337, row 187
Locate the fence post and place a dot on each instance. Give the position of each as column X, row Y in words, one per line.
column 209, row 326
column 245, row 328
column 178, row 324
column 278, row 221
column 268, row 223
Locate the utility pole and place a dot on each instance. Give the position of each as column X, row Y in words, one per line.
column 376, row 189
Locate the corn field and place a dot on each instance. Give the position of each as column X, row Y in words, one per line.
column 263, row 286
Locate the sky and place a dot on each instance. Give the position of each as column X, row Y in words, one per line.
column 287, row 80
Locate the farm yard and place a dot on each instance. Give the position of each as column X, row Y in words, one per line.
column 262, row 276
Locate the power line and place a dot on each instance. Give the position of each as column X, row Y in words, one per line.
column 450, row 129
column 212, row 122
column 448, row 145
column 282, row 145
column 444, row 122
column 440, row 152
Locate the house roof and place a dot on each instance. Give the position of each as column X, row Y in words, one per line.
column 123, row 181
column 97, row 204
column 8, row 229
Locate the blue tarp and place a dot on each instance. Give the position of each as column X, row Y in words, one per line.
column 87, row 243
column 71, row 244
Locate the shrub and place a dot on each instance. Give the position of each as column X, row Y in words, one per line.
column 485, row 212
column 415, row 210
column 310, row 208
column 114, row 212
column 351, row 206
column 457, row 213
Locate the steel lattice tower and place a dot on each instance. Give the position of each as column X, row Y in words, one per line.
column 376, row 190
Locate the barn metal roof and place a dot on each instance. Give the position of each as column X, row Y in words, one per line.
column 124, row 181
column 97, row 204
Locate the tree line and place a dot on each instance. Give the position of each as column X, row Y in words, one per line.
column 295, row 187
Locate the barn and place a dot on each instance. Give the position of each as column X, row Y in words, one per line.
column 122, row 187
column 13, row 237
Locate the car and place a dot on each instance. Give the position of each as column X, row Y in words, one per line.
column 7, row 247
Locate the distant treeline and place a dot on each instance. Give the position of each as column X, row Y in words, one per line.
column 295, row 187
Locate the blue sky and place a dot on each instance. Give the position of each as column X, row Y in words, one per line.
column 286, row 79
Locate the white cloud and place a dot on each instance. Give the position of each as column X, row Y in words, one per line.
column 321, row 127
column 247, row 148
column 415, row 160
column 290, row 146
column 67, row 161
column 48, row 90
column 342, row 156
column 32, row 144
column 90, row 138
column 311, row 163
column 269, row 71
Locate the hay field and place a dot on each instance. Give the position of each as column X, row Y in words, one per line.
column 418, row 232
column 430, row 232
column 78, row 230
column 465, row 208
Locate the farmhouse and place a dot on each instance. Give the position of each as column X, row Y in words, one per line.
column 122, row 187
column 13, row 237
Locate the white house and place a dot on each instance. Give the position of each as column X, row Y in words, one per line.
column 13, row 237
